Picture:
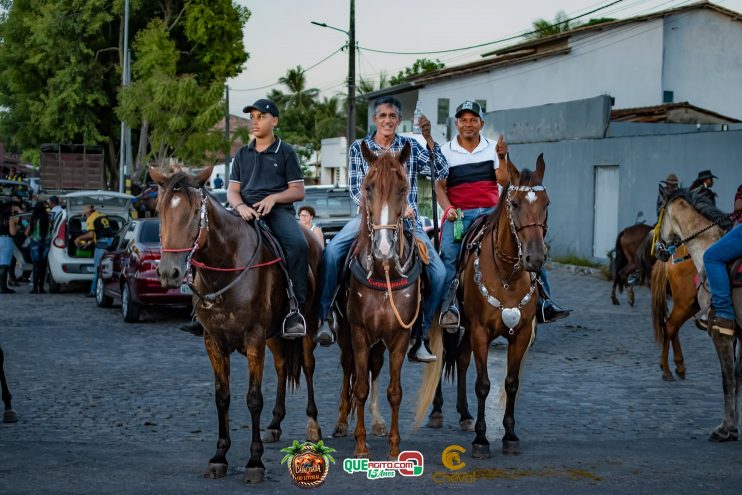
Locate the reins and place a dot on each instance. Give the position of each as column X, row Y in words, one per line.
column 657, row 242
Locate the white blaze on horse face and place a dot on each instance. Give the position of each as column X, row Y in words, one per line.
column 175, row 202
column 385, row 247
column 531, row 197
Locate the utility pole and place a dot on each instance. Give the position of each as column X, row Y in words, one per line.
column 227, row 157
column 123, row 148
column 351, row 133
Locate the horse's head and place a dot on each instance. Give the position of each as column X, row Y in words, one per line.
column 384, row 200
column 179, row 208
column 527, row 206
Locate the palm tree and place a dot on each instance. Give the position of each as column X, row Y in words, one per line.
column 329, row 118
column 299, row 96
column 561, row 23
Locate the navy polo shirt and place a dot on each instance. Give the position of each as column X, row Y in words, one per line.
column 261, row 174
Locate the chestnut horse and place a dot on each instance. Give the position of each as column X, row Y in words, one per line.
column 498, row 294
column 240, row 298
column 680, row 277
column 683, row 223
column 381, row 317
column 629, row 245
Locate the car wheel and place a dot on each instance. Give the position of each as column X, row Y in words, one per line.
column 129, row 309
column 101, row 299
column 54, row 287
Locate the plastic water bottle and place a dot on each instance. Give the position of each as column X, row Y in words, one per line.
column 458, row 226
column 416, row 119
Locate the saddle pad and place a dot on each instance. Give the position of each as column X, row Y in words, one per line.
column 359, row 273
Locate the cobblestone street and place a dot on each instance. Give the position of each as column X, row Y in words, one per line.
column 110, row 407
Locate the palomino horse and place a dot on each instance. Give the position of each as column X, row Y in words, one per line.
column 9, row 415
column 381, row 315
column 682, row 223
column 629, row 243
column 240, row 299
column 498, row 293
column 680, row 278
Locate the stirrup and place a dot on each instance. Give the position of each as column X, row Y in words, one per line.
column 451, row 328
column 292, row 336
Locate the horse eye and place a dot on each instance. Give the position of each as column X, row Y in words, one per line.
column 514, row 204
column 368, row 189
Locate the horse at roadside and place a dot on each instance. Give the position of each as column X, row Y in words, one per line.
column 498, row 297
column 630, row 243
column 240, row 296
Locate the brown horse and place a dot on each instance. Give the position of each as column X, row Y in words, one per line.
column 680, row 278
column 498, row 293
column 683, row 223
column 629, row 245
column 9, row 415
column 380, row 316
column 240, row 299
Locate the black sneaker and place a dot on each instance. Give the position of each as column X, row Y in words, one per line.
column 325, row 334
column 550, row 312
column 294, row 326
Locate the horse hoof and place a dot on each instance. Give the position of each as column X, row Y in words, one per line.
column 480, row 451
column 254, row 475
column 435, row 420
column 379, row 430
column 341, row 430
column 466, row 425
column 9, row 416
column 615, row 301
column 362, row 455
column 511, row 447
column 668, row 377
column 681, row 374
column 631, row 302
column 215, row 471
column 721, row 435
column 314, row 435
column 271, row 436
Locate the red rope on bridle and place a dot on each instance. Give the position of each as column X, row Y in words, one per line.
column 198, row 264
column 165, row 250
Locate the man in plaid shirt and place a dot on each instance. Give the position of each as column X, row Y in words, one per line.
column 387, row 117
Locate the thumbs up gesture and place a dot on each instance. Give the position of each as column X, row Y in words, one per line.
column 501, row 147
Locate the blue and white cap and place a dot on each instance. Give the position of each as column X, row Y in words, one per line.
column 469, row 106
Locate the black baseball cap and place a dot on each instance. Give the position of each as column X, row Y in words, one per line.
column 469, row 106
column 263, row 106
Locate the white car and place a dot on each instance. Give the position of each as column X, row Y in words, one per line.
column 67, row 262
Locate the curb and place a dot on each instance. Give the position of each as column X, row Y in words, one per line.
column 575, row 269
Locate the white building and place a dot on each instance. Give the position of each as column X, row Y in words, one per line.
column 691, row 53
column 334, row 161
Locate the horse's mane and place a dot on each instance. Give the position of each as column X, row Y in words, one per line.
column 388, row 169
column 702, row 204
column 178, row 181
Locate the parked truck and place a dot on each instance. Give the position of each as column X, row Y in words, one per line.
column 71, row 167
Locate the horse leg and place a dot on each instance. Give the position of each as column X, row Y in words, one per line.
column 314, row 432
column 466, row 421
column 346, row 361
column 480, row 344
column 516, row 351
column 376, row 361
column 681, row 312
column 435, row 420
column 394, row 391
column 255, row 352
column 614, row 299
column 630, row 294
column 727, row 430
column 9, row 414
column 360, row 388
column 666, row 373
column 273, row 430
column 217, row 467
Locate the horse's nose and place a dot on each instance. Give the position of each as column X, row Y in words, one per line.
column 534, row 262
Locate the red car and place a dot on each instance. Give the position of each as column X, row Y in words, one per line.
column 128, row 272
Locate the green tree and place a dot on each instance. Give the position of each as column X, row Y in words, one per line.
column 420, row 67
column 561, row 23
column 366, row 86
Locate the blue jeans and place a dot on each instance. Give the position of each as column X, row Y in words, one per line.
column 715, row 259
column 6, row 249
column 337, row 250
column 100, row 249
column 450, row 248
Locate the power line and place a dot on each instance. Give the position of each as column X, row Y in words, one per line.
column 480, row 45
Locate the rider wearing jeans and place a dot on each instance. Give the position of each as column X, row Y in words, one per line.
column 715, row 259
column 386, row 118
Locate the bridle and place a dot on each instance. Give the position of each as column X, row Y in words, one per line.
column 665, row 252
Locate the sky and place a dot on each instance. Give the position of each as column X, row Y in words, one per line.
column 279, row 35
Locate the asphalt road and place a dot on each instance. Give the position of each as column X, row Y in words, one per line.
column 110, row 407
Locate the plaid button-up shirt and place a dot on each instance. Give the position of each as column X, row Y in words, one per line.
column 418, row 163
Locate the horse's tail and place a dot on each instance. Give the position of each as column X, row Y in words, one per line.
column 659, row 300
column 431, row 375
column 619, row 264
column 293, row 355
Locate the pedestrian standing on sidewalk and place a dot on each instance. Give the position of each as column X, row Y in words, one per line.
column 8, row 228
column 38, row 232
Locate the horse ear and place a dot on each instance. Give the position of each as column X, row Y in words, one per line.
column 368, row 155
column 204, row 175
column 157, row 176
column 404, row 155
column 540, row 168
column 512, row 171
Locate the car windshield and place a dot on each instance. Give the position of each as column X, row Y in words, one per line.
column 329, row 203
column 151, row 232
